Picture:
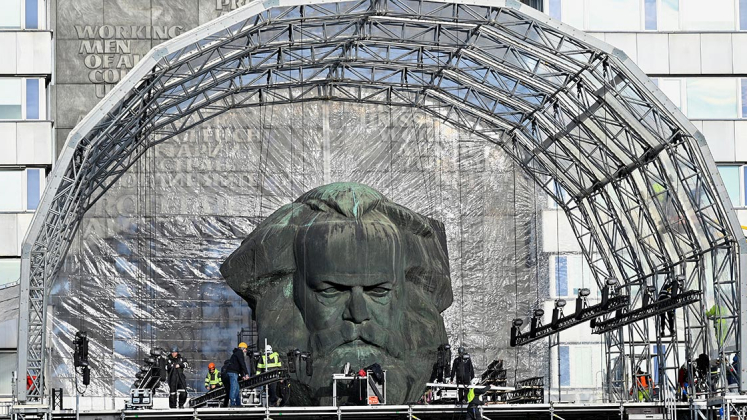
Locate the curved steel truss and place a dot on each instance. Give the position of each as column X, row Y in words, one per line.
column 635, row 178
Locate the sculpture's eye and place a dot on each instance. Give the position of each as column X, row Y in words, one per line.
column 378, row 291
column 330, row 292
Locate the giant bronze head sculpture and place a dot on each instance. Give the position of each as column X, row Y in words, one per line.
column 347, row 274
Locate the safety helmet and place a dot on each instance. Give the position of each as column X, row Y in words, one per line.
column 243, row 345
column 461, row 350
column 175, row 349
column 362, row 373
column 475, row 381
column 268, row 349
column 211, row 366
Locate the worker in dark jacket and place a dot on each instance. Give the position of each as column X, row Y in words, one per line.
column 175, row 365
column 668, row 290
column 464, row 372
column 226, row 381
column 237, row 368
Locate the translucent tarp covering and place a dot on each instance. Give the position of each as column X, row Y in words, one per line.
column 142, row 270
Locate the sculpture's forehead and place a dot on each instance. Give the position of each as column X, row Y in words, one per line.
column 351, row 252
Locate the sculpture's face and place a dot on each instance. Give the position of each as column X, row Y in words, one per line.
column 349, row 287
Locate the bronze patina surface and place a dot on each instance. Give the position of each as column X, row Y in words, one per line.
column 353, row 277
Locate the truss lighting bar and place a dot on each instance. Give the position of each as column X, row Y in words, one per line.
column 653, row 309
column 583, row 313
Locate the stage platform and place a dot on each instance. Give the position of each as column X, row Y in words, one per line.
column 566, row 411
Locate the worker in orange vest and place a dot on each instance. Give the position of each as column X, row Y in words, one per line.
column 642, row 385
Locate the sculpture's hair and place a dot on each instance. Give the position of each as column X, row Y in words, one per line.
column 267, row 254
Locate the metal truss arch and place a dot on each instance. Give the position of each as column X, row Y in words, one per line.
column 635, row 178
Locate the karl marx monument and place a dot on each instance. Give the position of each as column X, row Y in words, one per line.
column 353, row 277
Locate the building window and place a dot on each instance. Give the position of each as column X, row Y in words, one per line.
column 561, row 276
column 554, row 9
column 711, row 98
column 669, row 15
column 34, row 179
column 673, row 89
column 10, row 270
column 730, row 177
column 583, row 367
column 699, row 15
column 21, row 14
column 565, row 365
column 22, row 99
column 7, row 366
column 649, row 13
column 616, row 15
column 743, row 96
column 21, row 189
column 743, row 15
column 569, row 273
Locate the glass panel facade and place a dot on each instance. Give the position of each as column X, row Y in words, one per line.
column 650, row 15
column 711, row 98
column 10, row 18
column 33, row 188
column 672, row 88
column 565, row 365
column 730, row 176
column 32, row 99
column 707, row 15
column 572, row 12
column 743, row 92
column 10, row 270
column 583, row 372
column 7, row 366
column 669, row 15
column 32, row 14
column 743, row 15
column 10, row 98
column 11, row 198
column 615, row 15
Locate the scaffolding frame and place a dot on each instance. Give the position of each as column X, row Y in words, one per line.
column 633, row 175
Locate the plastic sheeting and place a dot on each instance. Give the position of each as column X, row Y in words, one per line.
column 143, row 268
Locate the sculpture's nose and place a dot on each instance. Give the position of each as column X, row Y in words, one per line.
column 356, row 310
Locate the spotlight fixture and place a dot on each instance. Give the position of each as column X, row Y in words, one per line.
column 538, row 313
column 611, row 281
column 584, row 292
column 518, row 322
column 651, row 289
column 559, row 303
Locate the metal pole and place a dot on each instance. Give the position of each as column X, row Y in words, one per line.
column 267, row 387
column 77, row 397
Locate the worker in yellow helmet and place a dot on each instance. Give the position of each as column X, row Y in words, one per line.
column 237, row 368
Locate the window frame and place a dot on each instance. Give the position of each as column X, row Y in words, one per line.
column 25, row 185
column 42, row 99
column 41, row 18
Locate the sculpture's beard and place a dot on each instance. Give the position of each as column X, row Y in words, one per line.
column 343, row 338
column 407, row 352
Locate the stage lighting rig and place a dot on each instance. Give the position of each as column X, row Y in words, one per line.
column 80, row 356
column 648, row 309
column 611, row 301
column 296, row 357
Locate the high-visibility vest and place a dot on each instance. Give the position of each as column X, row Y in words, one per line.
column 214, row 380
column 274, row 362
column 471, row 395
